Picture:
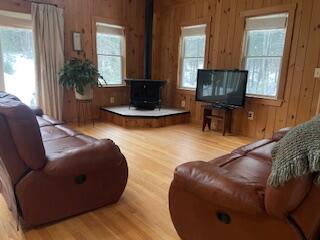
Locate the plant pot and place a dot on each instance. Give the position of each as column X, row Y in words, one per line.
column 87, row 94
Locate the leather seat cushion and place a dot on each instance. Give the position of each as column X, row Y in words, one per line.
column 250, row 165
column 264, row 152
column 61, row 145
column 50, row 133
column 250, row 168
column 248, row 148
column 57, row 138
column 68, row 131
column 45, row 120
column 252, row 162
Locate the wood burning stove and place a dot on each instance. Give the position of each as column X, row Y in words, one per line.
column 145, row 94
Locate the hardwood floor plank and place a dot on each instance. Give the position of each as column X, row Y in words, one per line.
column 143, row 212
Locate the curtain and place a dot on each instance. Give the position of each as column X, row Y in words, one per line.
column 48, row 30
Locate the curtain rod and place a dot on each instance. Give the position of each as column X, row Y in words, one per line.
column 52, row 4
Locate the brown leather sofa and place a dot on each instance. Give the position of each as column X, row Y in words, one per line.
column 49, row 172
column 228, row 198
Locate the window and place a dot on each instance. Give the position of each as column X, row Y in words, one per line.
column 192, row 54
column 110, row 53
column 17, row 66
column 263, row 56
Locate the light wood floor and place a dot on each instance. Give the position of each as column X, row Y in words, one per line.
column 143, row 212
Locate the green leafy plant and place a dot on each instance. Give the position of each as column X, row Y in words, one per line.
column 78, row 74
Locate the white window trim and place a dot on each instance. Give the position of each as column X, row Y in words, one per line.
column 15, row 19
column 190, row 31
column 279, row 23
column 116, row 30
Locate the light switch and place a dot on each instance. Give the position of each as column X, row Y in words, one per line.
column 317, row 73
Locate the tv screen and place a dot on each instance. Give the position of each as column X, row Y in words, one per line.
column 223, row 87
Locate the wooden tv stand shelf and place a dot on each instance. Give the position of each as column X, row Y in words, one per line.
column 225, row 117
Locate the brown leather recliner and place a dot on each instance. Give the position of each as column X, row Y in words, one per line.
column 229, row 198
column 48, row 171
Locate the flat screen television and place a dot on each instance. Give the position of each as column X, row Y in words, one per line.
column 225, row 88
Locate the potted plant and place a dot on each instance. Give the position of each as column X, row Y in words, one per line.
column 82, row 76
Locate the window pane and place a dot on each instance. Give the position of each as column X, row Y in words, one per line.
column 190, row 71
column 255, row 43
column 266, row 42
column 276, row 43
column 264, row 58
column 193, row 59
column 18, row 63
column 263, row 75
column 109, row 44
column 110, row 67
column 194, row 46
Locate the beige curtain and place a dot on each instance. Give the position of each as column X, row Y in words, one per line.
column 48, row 30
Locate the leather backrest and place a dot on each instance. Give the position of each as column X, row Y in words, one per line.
column 21, row 146
column 281, row 201
column 9, row 153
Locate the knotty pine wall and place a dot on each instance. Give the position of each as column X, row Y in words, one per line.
column 79, row 15
column 302, row 89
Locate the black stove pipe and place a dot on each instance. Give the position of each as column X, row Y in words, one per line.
column 148, row 39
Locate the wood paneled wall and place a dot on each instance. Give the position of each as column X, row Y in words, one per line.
column 79, row 15
column 129, row 12
column 302, row 89
column 301, row 92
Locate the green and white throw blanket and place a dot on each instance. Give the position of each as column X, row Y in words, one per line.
column 297, row 154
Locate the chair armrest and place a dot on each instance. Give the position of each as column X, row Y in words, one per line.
column 221, row 188
column 90, row 158
column 37, row 111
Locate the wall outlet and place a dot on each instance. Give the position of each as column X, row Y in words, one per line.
column 251, row 115
column 183, row 103
column 317, row 73
column 112, row 100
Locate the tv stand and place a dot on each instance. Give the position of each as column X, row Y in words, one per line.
column 221, row 106
column 225, row 116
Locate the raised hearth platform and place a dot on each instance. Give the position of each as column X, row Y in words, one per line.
column 129, row 118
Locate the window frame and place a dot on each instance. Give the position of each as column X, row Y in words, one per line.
column 284, row 67
column 245, row 58
column 14, row 20
column 198, row 22
column 124, row 50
